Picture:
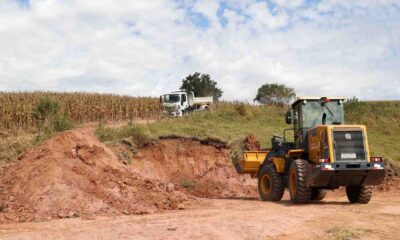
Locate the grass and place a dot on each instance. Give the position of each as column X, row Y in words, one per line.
column 137, row 134
column 233, row 121
column 382, row 119
column 226, row 124
column 340, row 233
column 188, row 184
column 14, row 144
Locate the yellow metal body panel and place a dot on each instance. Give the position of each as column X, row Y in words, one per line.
column 320, row 142
column 320, row 145
column 252, row 161
column 295, row 153
column 279, row 164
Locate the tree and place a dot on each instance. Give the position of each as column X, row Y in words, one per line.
column 201, row 85
column 275, row 93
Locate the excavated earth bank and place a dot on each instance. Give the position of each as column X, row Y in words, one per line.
column 73, row 174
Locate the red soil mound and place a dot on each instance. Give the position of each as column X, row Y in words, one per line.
column 251, row 143
column 196, row 167
column 74, row 174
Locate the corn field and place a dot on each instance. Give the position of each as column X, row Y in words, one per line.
column 16, row 107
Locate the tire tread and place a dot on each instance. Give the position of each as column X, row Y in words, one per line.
column 277, row 183
column 303, row 192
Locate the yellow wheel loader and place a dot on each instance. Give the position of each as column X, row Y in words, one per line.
column 324, row 154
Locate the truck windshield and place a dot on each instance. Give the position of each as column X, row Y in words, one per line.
column 171, row 98
column 313, row 113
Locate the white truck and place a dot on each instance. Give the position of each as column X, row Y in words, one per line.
column 178, row 103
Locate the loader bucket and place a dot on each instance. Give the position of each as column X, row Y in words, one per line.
column 251, row 162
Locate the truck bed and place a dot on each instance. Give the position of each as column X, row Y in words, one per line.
column 203, row 100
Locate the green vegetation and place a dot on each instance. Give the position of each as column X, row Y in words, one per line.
column 201, row 85
column 188, row 184
column 382, row 119
column 137, row 134
column 234, row 120
column 226, row 122
column 13, row 145
column 274, row 93
column 343, row 233
column 229, row 122
column 49, row 120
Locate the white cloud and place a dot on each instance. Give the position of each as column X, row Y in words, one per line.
column 146, row 47
column 289, row 3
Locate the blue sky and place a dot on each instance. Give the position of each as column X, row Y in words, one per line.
column 23, row 3
column 323, row 47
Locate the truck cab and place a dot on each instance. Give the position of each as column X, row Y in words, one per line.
column 175, row 102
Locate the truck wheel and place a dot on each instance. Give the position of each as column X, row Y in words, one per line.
column 318, row 194
column 270, row 183
column 359, row 194
column 299, row 192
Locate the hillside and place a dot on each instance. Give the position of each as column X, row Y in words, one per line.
column 382, row 119
column 232, row 121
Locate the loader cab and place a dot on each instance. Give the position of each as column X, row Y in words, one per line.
column 308, row 112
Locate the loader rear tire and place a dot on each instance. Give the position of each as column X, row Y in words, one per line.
column 318, row 194
column 298, row 189
column 270, row 183
column 359, row 194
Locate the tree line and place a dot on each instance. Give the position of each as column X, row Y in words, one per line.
column 202, row 85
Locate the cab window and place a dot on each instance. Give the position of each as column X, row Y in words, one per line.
column 183, row 99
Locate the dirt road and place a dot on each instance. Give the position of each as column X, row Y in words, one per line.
column 233, row 219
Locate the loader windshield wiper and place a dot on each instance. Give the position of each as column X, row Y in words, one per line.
column 329, row 110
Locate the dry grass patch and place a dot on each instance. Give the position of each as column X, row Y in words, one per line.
column 342, row 233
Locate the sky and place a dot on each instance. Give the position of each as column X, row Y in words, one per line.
column 145, row 48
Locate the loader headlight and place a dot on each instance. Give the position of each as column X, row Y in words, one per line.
column 376, row 159
column 323, row 160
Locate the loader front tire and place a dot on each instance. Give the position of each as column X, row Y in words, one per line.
column 298, row 189
column 359, row 194
column 318, row 194
column 270, row 183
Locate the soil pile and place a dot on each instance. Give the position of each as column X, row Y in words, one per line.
column 73, row 175
column 201, row 168
column 392, row 179
column 239, row 146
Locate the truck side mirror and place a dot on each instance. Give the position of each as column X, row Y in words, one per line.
column 288, row 117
